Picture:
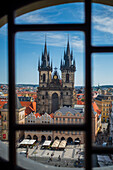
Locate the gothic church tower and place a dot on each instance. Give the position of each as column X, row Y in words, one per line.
column 55, row 92
column 68, row 68
column 44, row 69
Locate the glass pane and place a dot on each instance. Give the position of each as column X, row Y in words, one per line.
column 102, row 101
column 4, row 115
column 62, row 149
column 102, row 27
column 66, row 13
column 57, row 55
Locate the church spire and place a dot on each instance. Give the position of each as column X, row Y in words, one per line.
column 68, row 63
column 39, row 63
column 45, row 49
column 45, row 60
column 61, row 64
column 68, row 47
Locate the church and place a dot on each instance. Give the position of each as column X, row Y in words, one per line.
column 54, row 91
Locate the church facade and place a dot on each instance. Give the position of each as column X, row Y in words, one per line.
column 55, row 92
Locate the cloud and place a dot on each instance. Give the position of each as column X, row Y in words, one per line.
column 32, row 18
column 103, row 24
column 53, row 39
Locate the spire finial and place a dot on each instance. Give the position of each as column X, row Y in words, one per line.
column 45, row 38
column 68, row 37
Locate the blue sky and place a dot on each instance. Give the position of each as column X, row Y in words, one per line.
column 29, row 45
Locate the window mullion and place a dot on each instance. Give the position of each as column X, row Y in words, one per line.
column 11, row 79
column 88, row 140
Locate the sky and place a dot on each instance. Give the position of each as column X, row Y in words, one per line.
column 29, row 45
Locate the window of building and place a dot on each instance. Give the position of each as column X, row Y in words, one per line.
column 67, row 78
column 46, row 94
column 63, row 119
column 68, row 119
column 67, row 93
column 86, row 28
column 44, row 78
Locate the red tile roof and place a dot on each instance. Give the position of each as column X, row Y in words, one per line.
column 95, row 107
column 2, row 103
column 37, row 114
column 52, row 115
column 30, row 106
column 80, row 94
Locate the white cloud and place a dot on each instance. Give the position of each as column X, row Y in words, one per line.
column 103, row 24
column 53, row 39
column 32, row 18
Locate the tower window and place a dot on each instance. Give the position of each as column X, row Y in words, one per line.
column 46, row 94
column 67, row 93
column 44, row 77
column 67, row 78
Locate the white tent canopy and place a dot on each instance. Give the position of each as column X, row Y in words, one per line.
column 55, row 144
column 28, row 142
column 47, row 143
column 62, row 144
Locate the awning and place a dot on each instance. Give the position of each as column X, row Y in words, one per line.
column 62, row 144
column 55, row 144
column 47, row 143
column 28, row 142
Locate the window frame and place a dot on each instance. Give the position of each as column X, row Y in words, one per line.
column 89, row 49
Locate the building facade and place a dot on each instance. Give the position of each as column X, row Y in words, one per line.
column 55, row 92
column 20, row 119
column 104, row 104
column 39, row 135
column 68, row 115
column 65, row 115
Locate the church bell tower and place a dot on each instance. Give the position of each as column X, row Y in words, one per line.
column 68, row 68
column 44, row 68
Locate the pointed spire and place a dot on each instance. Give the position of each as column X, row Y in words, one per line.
column 45, row 49
column 74, row 62
column 45, row 60
column 51, row 65
column 68, row 47
column 48, row 57
column 71, row 55
column 39, row 63
column 67, row 63
column 64, row 55
column 61, row 64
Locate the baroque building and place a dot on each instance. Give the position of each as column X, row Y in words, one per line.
column 55, row 92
